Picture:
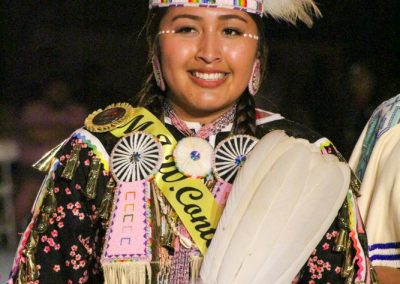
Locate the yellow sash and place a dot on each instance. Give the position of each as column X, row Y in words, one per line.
column 190, row 198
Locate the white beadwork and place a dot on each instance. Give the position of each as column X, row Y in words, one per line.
column 166, row 32
column 256, row 37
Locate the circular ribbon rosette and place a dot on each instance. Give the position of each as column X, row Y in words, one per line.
column 193, row 157
column 230, row 154
column 136, row 156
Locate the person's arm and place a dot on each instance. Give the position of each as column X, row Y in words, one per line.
column 63, row 242
column 387, row 275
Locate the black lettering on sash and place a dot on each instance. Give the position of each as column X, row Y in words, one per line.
column 204, row 227
column 191, row 191
column 164, row 140
column 192, row 209
column 135, row 126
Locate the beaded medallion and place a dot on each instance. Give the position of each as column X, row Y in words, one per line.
column 193, row 157
column 111, row 117
column 136, row 156
column 230, row 154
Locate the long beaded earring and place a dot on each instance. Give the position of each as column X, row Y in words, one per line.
column 157, row 73
column 255, row 78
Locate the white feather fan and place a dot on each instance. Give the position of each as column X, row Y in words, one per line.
column 292, row 10
column 283, row 200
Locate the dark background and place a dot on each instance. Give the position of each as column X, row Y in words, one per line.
column 97, row 48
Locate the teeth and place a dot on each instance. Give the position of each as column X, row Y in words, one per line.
column 209, row 76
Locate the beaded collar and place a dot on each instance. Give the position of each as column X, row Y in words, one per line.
column 207, row 129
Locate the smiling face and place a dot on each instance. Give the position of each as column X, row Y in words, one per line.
column 207, row 62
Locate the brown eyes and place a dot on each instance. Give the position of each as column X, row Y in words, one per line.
column 231, row 32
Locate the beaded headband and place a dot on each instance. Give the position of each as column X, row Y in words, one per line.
column 287, row 10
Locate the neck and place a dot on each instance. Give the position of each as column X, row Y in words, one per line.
column 202, row 117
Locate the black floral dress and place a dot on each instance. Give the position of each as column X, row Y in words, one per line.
column 64, row 240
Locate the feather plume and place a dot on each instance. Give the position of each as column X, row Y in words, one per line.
column 277, row 212
column 292, row 10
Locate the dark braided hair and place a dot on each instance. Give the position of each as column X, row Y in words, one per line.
column 245, row 118
column 151, row 97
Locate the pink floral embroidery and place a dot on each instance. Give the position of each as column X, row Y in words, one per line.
column 56, row 268
column 317, row 266
column 51, row 242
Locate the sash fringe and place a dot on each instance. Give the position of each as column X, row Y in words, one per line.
column 195, row 266
column 127, row 272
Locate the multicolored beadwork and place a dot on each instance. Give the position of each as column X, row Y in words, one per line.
column 288, row 10
column 251, row 6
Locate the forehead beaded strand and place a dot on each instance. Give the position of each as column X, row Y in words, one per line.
column 252, row 36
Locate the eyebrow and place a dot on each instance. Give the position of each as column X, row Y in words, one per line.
column 190, row 16
column 230, row 16
column 198, row 18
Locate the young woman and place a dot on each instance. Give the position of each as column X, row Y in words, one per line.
column 135, row 196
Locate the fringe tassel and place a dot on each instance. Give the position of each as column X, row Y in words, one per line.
column 195, row 266
column 127, row 272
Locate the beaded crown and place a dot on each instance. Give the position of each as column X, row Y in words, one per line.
column 287, row 10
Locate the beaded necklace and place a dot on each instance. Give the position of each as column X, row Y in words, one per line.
column 206, row 130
